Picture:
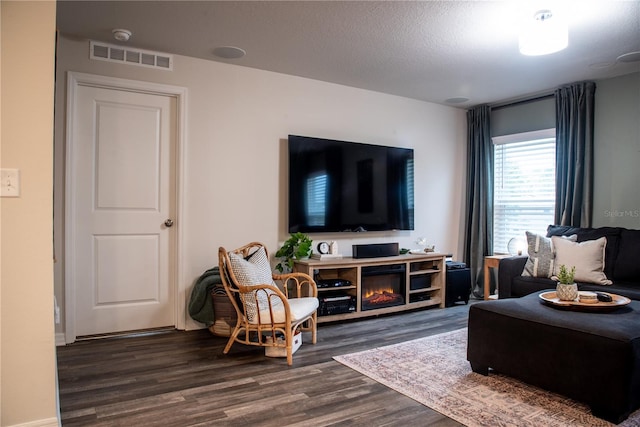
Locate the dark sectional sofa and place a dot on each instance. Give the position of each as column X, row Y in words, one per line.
column 621, row 264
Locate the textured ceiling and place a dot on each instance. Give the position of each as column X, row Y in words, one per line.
column 427, row 50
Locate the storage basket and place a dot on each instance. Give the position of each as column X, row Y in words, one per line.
column 224, row 313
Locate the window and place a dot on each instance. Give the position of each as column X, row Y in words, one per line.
column 410, row 196
column 316, row 195
column 524, row 186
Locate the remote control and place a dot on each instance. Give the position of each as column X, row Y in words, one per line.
column 604, row 297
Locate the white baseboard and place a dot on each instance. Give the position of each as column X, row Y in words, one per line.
column 47, row 422
column 60, row 341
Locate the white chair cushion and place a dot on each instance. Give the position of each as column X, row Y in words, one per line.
column 300, row 309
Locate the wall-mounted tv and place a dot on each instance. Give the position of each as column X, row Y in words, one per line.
column 339, row 186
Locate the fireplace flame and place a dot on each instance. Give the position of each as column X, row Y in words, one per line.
column 374, row 292
column 381, row 292
column 383, row 298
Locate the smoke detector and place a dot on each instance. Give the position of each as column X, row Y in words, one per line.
column 121, row 34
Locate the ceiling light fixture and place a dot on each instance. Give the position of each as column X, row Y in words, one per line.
column 544, row 34
column 121, row 34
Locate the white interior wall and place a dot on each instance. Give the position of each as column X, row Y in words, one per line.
column 238, row 120
column 27, row 350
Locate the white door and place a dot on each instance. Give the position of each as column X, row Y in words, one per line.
column 123, row 202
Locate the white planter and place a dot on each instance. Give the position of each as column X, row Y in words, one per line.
column 567, row 292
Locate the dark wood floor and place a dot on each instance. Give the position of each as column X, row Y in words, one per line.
column 182, row 378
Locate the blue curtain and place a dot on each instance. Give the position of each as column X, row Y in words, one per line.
column 574, row 154
column 479, row 197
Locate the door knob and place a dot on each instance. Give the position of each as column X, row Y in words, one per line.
column 169, row 222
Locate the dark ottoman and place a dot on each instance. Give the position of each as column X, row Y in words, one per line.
column 593, row 357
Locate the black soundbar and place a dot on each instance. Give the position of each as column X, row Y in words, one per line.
column 375, row 250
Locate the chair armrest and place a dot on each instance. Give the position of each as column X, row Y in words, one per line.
column 297, row 285
column 254, row 297
column 265, row 288
column 508, row 269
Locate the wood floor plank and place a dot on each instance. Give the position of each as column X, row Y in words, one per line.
column 182, row 378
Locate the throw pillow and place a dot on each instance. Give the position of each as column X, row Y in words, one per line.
column 541, row 259
column 587, row 257
column 255, row 270
column 613, row 235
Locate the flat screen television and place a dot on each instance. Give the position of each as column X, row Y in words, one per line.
column 340, row 186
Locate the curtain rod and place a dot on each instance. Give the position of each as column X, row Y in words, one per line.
column 520, row 102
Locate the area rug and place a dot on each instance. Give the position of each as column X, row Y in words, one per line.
column 434, row 371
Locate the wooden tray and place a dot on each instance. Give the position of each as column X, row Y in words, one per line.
column 552, row 299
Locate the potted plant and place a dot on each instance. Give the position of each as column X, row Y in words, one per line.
column 297, row 246
column 566, row 289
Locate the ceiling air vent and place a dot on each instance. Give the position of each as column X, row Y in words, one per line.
column 125, row 55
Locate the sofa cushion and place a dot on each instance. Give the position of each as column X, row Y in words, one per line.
column 524, row 285
column 587, row 257
column 611, row 233
column 627, row 265
column 630, row 290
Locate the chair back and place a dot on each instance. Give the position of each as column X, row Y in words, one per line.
column 226, row 272
column 229, row 280
column 249, row 279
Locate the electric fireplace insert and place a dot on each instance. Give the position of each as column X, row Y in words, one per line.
column 382, row 286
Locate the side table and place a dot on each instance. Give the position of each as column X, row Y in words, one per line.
column 490, row 261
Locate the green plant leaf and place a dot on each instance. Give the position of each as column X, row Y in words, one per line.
column 297, row 246
column 565, row 276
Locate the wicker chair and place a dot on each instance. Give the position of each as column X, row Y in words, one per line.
column 266, row 312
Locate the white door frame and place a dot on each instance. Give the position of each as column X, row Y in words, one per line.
column 75, row 79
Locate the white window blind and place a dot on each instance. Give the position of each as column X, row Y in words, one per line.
column 524, row 186
column 410, row 196
column 316, row 195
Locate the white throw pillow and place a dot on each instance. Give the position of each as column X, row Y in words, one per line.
column 256, row 270
column 587, row 257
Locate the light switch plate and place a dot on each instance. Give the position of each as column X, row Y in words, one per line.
column 9, row 182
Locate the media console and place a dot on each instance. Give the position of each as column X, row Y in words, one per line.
column 372, row 286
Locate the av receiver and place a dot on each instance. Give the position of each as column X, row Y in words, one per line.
column 336, row 304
